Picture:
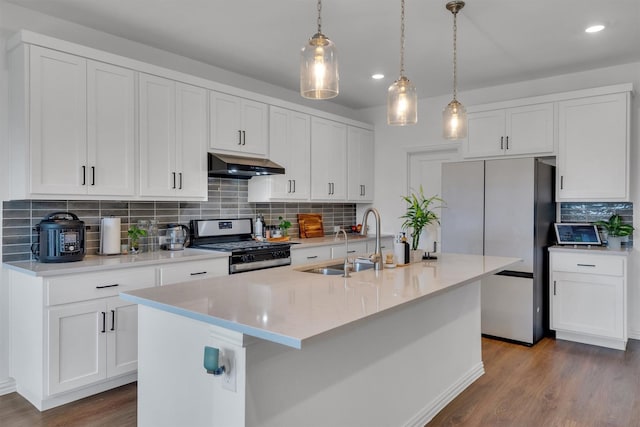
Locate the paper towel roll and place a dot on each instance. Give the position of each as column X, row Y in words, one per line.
column 398, row 251
column 109, row 236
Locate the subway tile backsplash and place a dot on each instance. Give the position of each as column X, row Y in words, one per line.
column 597, row 211
column 227, row 198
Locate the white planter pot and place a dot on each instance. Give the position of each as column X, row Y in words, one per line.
column 613, row 242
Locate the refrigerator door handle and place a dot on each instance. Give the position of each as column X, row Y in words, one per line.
column 511, row 273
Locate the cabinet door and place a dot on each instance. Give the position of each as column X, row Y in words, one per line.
column 529, row 129
column 360, row 158
column 157, row 136
column 255, row 127
column 122, row 337
column 76, row 345
column 485, row 134
column 110, row 127
column 290, row 146
column 226, row 131
column 58, row 122
column 593, row 148
column 588, row 303
column 328, row 160
column 191, row 141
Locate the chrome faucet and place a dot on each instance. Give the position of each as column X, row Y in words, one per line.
column 377, row 256
column 346, row 252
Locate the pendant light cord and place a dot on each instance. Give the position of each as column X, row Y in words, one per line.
column 455, row 55
column 401, row 38
column 319, row 17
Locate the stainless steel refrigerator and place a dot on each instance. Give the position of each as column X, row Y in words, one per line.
column 504, row 207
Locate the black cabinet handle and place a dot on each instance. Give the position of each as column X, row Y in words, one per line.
column 290, row 186
column 502, row 142
column 351, row 252
column 329, row 188
column 554, row 287
column 180, row 176
column 294, row 186
column 84, row 175
column 507, row 142
column 104, row 322
column 561, row 182
column 93, row 175
column 174, row 180
column 239, row 137
column 113, row 320
column 244, row 138
column 198, row 273
column 108, row 286
column 586, row 265
column 312, row 257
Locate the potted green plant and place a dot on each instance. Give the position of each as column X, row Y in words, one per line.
column 419, row 214
column 135, row 233
column 616, row 230
column 284, row 226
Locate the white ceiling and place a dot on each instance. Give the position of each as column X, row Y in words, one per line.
column 499, row 41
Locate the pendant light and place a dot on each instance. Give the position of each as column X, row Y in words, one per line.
column 454, row 116
column 319, row 66
column 402, row 98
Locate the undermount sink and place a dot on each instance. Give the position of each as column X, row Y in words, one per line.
column 338, row 269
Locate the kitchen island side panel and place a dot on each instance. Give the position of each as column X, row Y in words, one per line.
column 398, row 367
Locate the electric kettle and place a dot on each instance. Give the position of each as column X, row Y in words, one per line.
column 176, row 237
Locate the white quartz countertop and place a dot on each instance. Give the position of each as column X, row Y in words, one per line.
column 596, row 250
column 288, row 306
column 92, row 263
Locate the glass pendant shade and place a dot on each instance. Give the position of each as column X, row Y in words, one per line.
column 402, row 103
column 319, row 69
column 454, row 121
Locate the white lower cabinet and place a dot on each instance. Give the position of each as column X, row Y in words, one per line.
column 355, row 249
column 91, row 341
column 72, row 335
column 194, row 270
column 588, row 295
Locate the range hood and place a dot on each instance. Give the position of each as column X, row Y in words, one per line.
column 223, row 165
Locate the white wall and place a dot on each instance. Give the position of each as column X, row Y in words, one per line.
column 393, row 143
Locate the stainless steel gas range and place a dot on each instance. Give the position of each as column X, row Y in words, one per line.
column 236, row 236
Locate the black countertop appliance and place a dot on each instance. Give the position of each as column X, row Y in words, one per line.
column 61, row 238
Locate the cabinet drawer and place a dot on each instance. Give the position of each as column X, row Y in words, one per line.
column 594, row 264
column 308, row 255
column 197, row 270
column 82, row 287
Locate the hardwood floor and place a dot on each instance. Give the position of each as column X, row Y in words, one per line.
column 553, row 384
column 113, row 408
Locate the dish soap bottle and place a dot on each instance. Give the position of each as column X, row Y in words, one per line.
column 407, row 252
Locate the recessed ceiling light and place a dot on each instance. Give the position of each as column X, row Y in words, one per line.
column 594, row 29
column 377, row 76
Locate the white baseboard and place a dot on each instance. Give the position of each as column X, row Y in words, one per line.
column 437, row 404
column 634, row 334
column 7, row 386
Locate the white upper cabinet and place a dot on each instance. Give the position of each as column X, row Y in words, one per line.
column 289, row 146
column 328, row 160
column 522, row 130
column 238, row 125
column 110, row 126
column 81, row 127
column 360, row 158
column 173, row 132
column 593, row 148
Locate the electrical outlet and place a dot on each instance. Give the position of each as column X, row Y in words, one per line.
column 336, row 228
column 229, row 375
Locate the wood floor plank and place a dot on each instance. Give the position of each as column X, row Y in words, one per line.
column 552, row 384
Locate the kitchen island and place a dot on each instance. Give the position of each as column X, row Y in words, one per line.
column 381, row 348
